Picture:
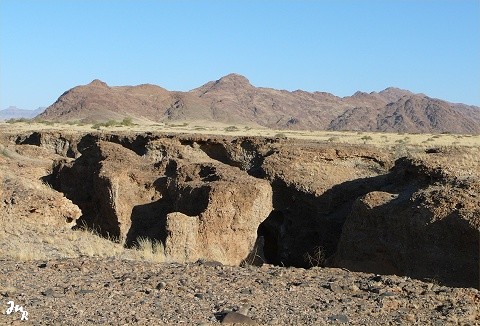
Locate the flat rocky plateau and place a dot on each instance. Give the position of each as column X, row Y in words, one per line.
column 127, row 228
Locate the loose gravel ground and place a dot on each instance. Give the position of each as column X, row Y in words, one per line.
column 86, row 291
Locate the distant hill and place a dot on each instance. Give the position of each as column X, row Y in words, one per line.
column 12, row 112
column 232, row 99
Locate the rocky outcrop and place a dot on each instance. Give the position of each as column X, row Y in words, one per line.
column 284, row 202
column 199, row 208
column 423, row 223
column 216, row 213
column 24, row 196
column 106, row 181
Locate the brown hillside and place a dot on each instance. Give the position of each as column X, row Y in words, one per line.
column 232, row 99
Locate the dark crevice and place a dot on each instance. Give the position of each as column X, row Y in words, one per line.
column 137, row 144
column 148, row 221
column 302, row 222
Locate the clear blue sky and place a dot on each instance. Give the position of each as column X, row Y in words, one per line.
column 431, row 47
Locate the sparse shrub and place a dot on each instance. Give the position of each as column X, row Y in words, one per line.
column 5, row 153
column 231, row 129
column 316, row 258
column 45, row 122
column 19, row 120
column 110, row 123
column 366, row 138
column 177, row 125
column 75, row 123
column 403, row 141
column 127, row 122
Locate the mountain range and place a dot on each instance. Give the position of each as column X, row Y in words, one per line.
column 12, row 112
column 233, row 100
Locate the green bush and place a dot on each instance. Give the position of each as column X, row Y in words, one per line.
column 127, row 122
column 18, row 120
column 231, row 128
column 366, row 138
column 113, row 123
column 46, row 122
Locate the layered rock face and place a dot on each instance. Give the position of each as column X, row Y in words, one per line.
column 197, row 207
column 424, row 222
column 216, row 213
column 24, row 196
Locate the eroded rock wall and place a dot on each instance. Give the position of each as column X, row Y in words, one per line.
column 285, row 202
column 423, row 223
column 199, row 208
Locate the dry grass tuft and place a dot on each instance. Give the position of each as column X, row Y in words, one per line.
column 151, row 250
column 27, row 252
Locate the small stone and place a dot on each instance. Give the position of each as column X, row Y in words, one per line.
column 410, row 317
column 199, row 295
column 212, row 263
column 334, row 287
column 246, row 291
column 47, row 293
column 161, row 286
column 390, row 304
column 237, row 318
column 353, row 288
column 42, row 265
column 244, row 309
column 84, row 291
column 340, row 318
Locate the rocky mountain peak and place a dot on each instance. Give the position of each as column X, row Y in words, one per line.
column 98, row 83
column 235, row 80
column 393, row 94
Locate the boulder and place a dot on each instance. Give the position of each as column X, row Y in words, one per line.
column 218, row 210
